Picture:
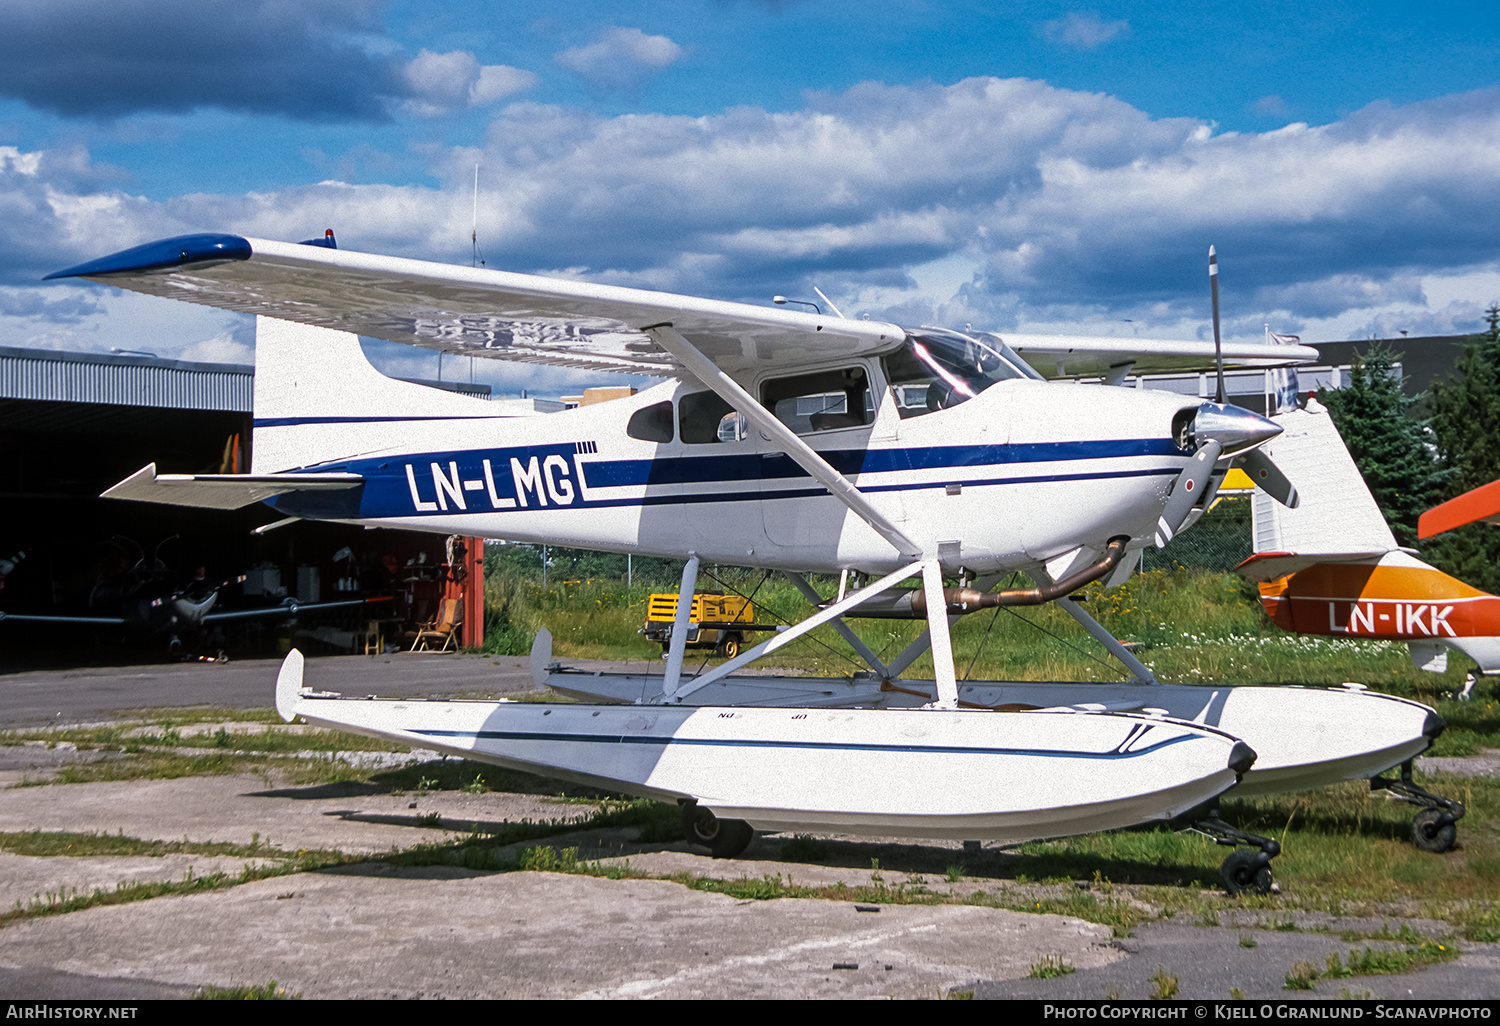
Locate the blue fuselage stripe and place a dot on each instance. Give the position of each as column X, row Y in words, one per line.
column 564, row 475
column 612, row 739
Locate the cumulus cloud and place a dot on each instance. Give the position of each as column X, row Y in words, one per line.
column 620, row 58
column 325, row 61
column 443, row 82
column 1040, row 207
column 1083, row 30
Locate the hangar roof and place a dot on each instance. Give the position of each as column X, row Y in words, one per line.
column 125, row 380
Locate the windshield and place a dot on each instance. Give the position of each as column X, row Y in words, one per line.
column 935, row 369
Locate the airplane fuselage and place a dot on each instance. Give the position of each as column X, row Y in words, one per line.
column 986, row 484
column 1399, row 598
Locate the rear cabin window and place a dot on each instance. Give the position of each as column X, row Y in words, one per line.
column 824, row 401
column 651, row 423
column 704, row 417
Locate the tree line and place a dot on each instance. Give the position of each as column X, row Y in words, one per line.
column 1418, row 451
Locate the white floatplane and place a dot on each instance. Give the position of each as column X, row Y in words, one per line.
column 912, row 773
column 787, row 440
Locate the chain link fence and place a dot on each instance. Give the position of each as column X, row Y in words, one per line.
column 1218, row 542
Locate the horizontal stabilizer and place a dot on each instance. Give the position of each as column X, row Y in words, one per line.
column 223, row 491
column 1268, row 566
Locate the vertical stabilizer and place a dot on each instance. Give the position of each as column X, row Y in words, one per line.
column 318, row 399
column 1337, row 513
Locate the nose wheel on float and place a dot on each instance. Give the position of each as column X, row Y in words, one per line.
column 1435, row 828
column 724, row 838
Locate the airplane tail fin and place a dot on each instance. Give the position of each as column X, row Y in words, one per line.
column 318, row 398
column 1337, row 515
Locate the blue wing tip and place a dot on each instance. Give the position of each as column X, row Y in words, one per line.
column 182, row 251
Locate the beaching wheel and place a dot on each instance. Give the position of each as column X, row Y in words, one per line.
column 724, row 838
column 1429, row 833
column 1241, row 874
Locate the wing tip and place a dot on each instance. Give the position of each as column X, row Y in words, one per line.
column 181, row 251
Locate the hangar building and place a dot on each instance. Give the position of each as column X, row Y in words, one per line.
column 72, row 424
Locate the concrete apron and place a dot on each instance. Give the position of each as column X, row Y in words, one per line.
column 372, row 930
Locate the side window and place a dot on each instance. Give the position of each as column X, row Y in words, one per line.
column 651, row 423
column 820, row 402
column 704, row 417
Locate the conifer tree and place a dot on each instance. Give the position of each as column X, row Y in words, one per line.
column 1466, row 429
column 1390, row 446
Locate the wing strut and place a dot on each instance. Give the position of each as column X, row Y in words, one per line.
column 822, row 472
column 781, row 638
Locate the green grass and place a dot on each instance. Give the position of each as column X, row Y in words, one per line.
column 134, row 738
column 271, row 991
column 39, row 843
column 1190, row 627
column 1050, row 968
column 1372, row 962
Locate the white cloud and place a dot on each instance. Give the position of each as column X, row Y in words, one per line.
column 1084, row 30
column 1002, row 203
column 444, row 82
column 620, row 58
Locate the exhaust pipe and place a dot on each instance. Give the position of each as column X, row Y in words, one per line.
column 911, row 604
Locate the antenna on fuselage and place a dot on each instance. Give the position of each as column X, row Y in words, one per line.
column 1213, row 285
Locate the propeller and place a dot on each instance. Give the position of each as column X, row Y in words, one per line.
column 1266, row 475
column 1187, row 490
column 1213, row 287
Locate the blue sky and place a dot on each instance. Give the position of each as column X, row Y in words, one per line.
column 1025, row 166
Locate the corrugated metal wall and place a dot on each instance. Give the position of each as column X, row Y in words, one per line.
column 125, row 380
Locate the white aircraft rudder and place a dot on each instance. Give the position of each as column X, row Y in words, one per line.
column 1337, row 513
column 318, row 398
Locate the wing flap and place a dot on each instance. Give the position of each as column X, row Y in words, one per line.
column 223, row 491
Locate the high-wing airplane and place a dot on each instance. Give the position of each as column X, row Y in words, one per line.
column 1333, row 567
column 146, row 600
column 787, row 440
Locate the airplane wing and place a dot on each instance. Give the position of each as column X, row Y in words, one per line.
column 1479, row 504
column 1056, row 356
column 476, row 311
column 482, row 312
column 223, row 491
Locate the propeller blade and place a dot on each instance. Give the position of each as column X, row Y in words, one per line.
column 1213, row 285
column 1187, row 490
column 1268, row 477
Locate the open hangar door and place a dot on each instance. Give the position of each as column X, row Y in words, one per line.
column 71, row 425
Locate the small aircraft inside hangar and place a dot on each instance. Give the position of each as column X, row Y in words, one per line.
column 86, row 578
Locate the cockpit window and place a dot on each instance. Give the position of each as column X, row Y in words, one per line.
column 936, row 369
